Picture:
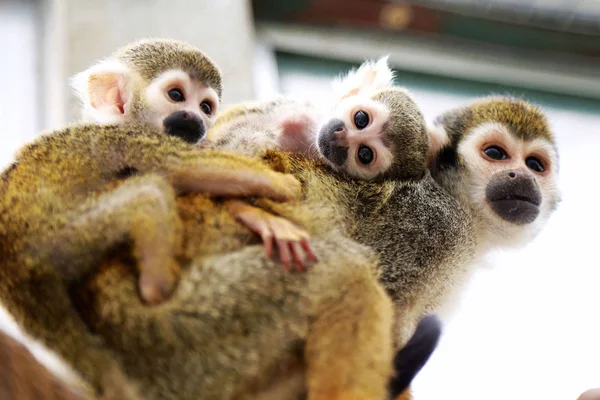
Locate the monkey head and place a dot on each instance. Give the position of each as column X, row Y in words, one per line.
column 376, row 131
column 165, row 83
column 499, row 157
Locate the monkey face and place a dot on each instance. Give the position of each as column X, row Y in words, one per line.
column 180, row 105
column 353, row 141
column 512, row 182
column 173, row 102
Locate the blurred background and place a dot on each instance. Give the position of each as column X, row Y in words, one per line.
column 529, row 325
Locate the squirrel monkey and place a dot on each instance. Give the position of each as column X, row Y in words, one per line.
column 498, row 157
column 65, row 203
column 164, row 84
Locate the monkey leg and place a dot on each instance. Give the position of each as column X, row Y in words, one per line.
column 291, row 240
column 224, row 174
column 349, row 346
column 142, row 211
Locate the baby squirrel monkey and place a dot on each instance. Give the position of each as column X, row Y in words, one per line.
column 64, row 204
column 363, row 135
column 181, row 104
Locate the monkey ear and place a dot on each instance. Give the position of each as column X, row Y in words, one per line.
column 103, row 92
column 369, row 77
column 438, row 139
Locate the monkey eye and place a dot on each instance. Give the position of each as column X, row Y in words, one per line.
column 495, row 153
column 176, row 95
column 206, row 107
column 534, row 164
column 361, row 120
column 365, row 155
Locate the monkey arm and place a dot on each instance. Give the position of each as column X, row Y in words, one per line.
column 231, row 175
column 219, row 173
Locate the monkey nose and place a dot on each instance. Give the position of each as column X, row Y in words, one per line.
column 185, row 125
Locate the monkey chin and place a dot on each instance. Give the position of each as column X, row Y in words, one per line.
column 518, row 211
column 511, row 223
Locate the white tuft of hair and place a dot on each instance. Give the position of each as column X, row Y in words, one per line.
column 369, row 76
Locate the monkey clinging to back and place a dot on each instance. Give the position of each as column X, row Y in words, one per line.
column 75, row 195
column 126, row 89
column 360, row 134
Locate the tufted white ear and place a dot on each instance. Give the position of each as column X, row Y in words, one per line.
column 102, row 90
column 369, row 77
column 438, row 139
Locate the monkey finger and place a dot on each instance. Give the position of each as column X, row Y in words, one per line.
column 284, row 253
column 298, row 255
column 267, row 239
column 308, row 250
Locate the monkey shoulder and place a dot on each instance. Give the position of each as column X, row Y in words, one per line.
column 418, row 231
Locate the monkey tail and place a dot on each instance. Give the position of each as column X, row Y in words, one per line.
column 411, row 358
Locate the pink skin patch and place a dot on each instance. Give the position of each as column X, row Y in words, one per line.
column 297, row 132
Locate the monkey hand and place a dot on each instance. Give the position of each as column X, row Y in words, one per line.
column 292, row 240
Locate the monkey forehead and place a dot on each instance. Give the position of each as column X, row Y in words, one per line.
column 524, row 120
column 398, row 100
column 150, row 57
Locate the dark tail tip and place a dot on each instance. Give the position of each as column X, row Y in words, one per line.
column 410, row 359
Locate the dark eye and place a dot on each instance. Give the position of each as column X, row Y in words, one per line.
column 365, row 155
column 534, row 164
column 176, row 95
column 361, row 120
column 495, row 153
column 206, row 108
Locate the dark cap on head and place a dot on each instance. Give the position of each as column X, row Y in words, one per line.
column 151, row 57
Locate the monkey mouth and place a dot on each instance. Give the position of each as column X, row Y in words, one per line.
column 517, row 198
column 516, row 209
column 334, row 154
